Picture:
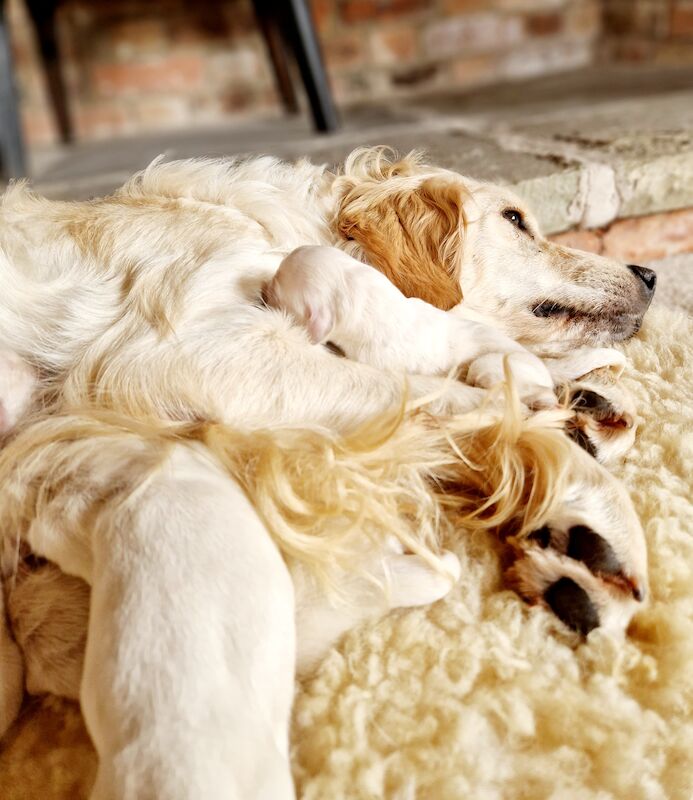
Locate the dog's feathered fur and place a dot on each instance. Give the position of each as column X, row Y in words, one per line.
column 163, row 376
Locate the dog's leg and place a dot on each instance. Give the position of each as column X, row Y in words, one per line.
column 189, row 666
column 383, row 581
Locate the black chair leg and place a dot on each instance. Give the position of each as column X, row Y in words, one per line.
column 11, row 144
column 310, row 63
column 43, row 14
column 270, row 23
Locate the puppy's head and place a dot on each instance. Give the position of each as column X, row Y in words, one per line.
column 449, row 239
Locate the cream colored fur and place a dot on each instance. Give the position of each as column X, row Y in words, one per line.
column 480, row 696
column 194, row 435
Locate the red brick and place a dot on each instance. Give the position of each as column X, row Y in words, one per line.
column 389, row 8
column 632, row 50
column 682, row 21
column 347, row 49
column 38, row 125
column 322, row 11
column 359, row 10
column 137, row 36
column 580, row 240
column 464, row 6
column 475, row 71
column 173, row 73
column 394, row 45
column 544, row 24
column 363, row 10
column 584, row 17
column 651, row 237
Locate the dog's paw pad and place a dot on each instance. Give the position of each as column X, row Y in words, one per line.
column 576, row 574
column 572, row 605
column 604, row 420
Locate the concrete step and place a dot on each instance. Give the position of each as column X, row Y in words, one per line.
column 584, row 148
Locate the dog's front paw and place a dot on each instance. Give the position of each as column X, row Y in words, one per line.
column 588, row 563
column 604, row 422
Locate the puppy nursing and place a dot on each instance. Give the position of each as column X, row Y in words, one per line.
column 338, row 298
column 198, row 439
column 356, row 307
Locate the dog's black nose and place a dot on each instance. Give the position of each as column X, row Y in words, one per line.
column 647, row 276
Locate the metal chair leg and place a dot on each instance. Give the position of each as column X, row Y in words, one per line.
column 270, row 25
column 310, row 63
column 11, row 143
column 43, row 14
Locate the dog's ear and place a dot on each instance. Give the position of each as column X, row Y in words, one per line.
column 412, row 235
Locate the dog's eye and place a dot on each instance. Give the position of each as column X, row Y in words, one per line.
column 514, row 216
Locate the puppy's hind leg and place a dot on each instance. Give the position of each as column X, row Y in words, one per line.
column 189, row 667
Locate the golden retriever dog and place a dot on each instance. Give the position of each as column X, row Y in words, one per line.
column 234, row 493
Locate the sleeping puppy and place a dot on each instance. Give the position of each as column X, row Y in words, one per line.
column 339, row 299
column 346, row 302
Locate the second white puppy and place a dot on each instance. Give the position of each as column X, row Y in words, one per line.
column 352, row 305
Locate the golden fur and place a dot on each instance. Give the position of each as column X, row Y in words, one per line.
column 406, row 474
column 161, row 368
column 412, row 231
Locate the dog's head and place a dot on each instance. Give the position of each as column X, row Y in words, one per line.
column 451, row 240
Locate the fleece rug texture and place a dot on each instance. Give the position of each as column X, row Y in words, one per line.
column 480, row 697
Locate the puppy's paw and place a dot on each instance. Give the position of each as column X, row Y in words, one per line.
column 588, row 563
column 530, row 376
column 604, row 422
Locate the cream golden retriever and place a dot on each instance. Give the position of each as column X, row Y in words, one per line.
column 230, row 488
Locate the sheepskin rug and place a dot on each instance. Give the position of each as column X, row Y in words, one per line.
column 480, row 697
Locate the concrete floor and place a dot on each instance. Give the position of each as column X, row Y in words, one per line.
column 674, row 282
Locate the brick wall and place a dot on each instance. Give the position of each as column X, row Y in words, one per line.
column 659, row 31
column 136, row 65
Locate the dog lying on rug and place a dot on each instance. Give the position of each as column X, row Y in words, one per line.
column 176, row 397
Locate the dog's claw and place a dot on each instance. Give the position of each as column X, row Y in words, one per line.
column 604, row 420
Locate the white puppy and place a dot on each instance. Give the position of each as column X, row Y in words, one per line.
column 342, row 300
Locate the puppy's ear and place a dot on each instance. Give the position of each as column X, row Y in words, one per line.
column 413, row 235
column 319, row 322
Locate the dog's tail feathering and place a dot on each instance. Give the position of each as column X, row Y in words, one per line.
column 406, row 474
